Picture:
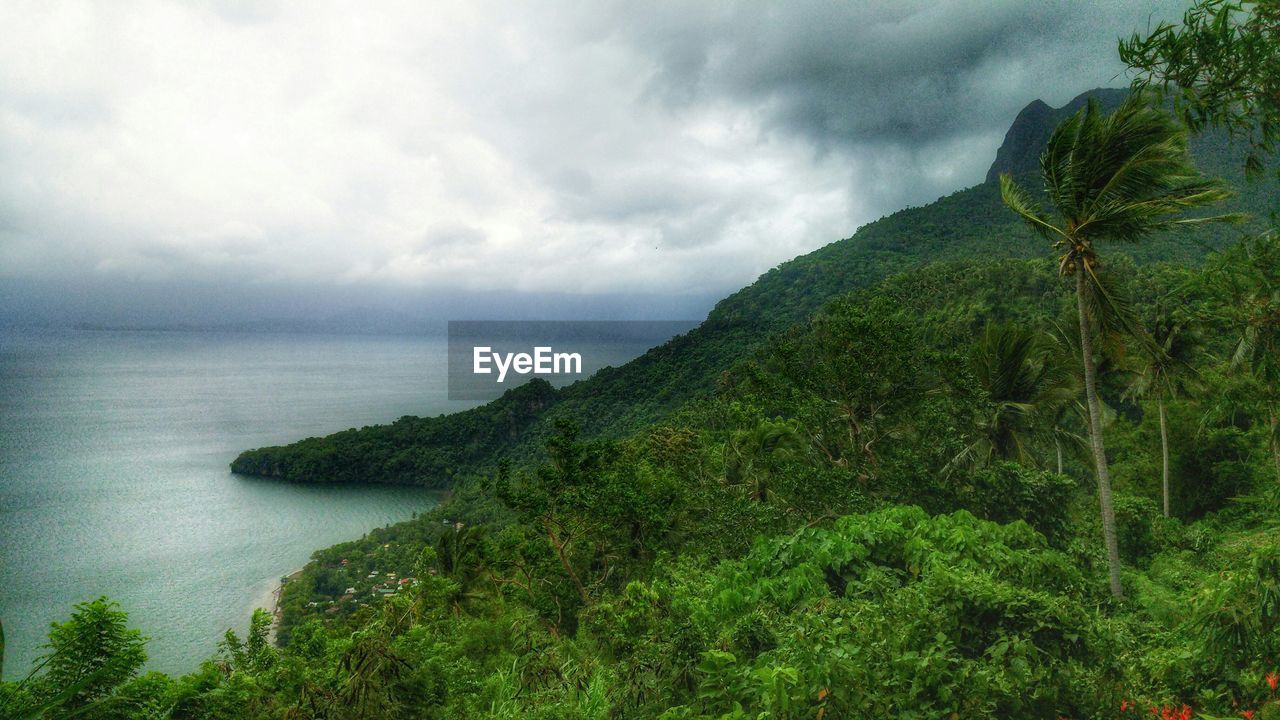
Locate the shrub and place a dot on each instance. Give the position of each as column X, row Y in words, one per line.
column 1005, row 491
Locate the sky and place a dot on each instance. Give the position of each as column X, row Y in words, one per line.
column 257, row 158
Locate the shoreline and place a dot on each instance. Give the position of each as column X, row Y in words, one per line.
column 274, row 608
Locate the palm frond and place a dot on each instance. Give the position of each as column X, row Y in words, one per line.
column 1125, row 175
column 1021, row 202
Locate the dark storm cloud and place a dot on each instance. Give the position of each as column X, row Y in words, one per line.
column 916, row 92
column 901, row 72
column 568, row 147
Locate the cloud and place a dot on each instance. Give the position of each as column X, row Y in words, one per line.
column 557, row 147
column 915, row 92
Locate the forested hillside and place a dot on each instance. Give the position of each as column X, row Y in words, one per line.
column 971, row 223
column 1015, row 454
column 862, row 519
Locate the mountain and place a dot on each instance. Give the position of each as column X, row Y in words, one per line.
column 1020, row 152
column 970, row 223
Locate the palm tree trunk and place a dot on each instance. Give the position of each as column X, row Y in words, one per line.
column 1164, row 453
column 1057, row 444
column 1275, row 443
column 1095, row 440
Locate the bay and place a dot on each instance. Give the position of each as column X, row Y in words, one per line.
column 114, row 470
column 114, row 480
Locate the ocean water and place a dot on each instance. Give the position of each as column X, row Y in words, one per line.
column 114, row 480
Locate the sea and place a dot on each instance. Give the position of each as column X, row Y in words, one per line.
column 114, row 471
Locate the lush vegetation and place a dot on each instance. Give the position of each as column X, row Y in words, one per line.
column 412, row 450
column 969, row 224
column 1028, row 479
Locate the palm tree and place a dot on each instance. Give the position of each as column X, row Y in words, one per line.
column 460, row 556
column 1069, row 425
column 751, row 452
column 1165, row 371
column 1027, row 389
column 1250, row 275
column 1115, row 177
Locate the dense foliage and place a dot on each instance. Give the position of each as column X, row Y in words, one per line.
column 816, row 537
column 849, row 494
column 412, row 450
column 1222, row 66
column 969, row 224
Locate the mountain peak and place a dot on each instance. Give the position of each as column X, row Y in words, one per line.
column 1020, row 151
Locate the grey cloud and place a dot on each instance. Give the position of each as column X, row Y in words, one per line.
column 564, row 147
column 634, row 194
column 902, row 71
column 449, row 235
column 912, row 96
column 917, row 93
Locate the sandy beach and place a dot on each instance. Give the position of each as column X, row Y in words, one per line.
column 268, row 598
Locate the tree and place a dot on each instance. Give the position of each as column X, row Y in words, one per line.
column 752, row 452
column 549, row 498
column 1027, row 389
column 1248, row 278
column 460, row 554
column 1222, row 66
column 1117, row 177
column 1165, row 371
column 91, row 657
column 255, row 653
column 592, row 508
column 854, row 372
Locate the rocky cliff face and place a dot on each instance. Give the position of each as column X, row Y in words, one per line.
column 1020, row 151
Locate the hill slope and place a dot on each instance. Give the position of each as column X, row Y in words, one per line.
column 971, row 223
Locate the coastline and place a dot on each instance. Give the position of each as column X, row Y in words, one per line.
column 271, row 601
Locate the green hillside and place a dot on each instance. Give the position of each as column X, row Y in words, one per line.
column 969, row 224
column 870, row 492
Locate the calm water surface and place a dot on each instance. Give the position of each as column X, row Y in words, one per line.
column 114, row 449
